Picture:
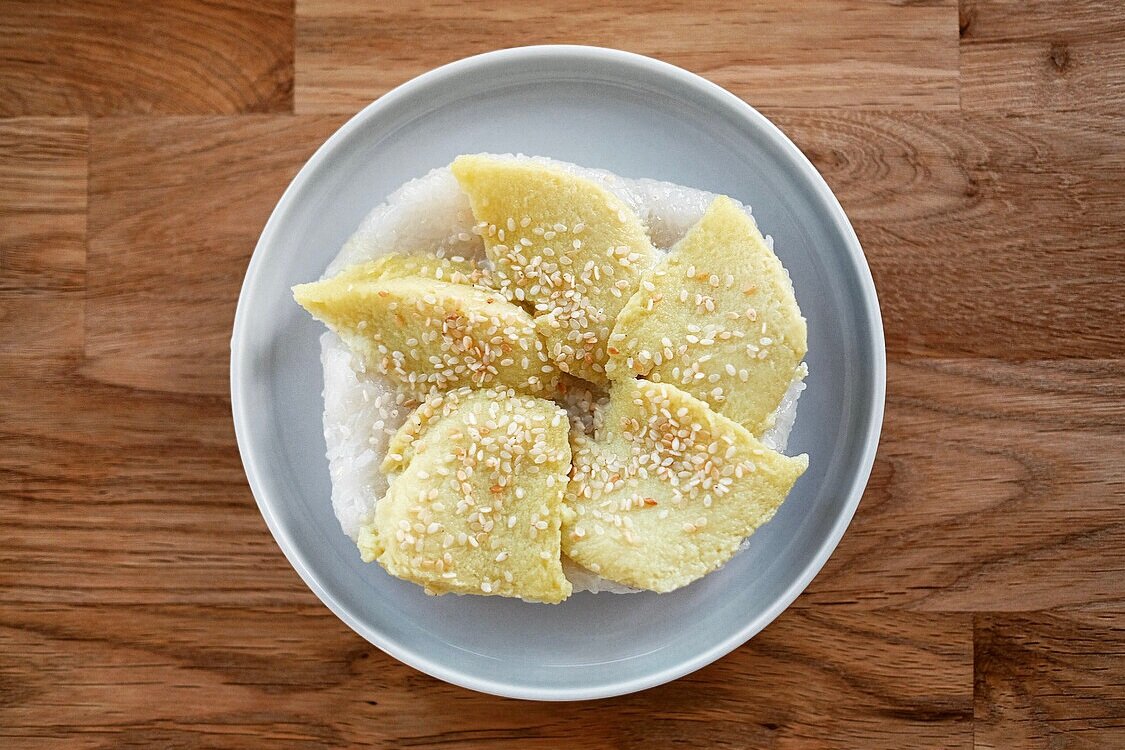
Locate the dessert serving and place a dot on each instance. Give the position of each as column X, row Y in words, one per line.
column 542, row 379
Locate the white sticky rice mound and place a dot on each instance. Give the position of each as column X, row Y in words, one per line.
column 362, row 409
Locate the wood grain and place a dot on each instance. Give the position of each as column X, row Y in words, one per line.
column 129, row 483
column 987, row 236
column 978, row 596
column 100, row 57
column 998, row 487
column 1031, row 57
column 795, row 55
column 246, row 676
column 164, row 195
column 42, row 235
column 965, row 223
column 1050, row 680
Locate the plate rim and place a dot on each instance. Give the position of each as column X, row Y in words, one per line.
column 859, row 479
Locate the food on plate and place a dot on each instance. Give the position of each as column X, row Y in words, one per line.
column 717, row 318
column 562, row 243
column 543, row 379
column 428, row 334
column 455, row 269
column 475, row 498
column 667, row 489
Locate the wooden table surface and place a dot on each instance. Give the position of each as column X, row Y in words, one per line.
column 978, row 599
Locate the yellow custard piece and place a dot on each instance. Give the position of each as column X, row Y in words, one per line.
column 667, row 489
column 474, row 505
column 562, row 244
column 429, row 334
column 717, row 318
column 455, row 269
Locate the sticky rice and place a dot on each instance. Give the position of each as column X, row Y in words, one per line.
column 363, row 409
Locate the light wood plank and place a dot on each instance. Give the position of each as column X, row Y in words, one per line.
column 997, row 487
column 244, row 676
column 986, row 236
column 1050, row 680
column 42, row 235
column 102, row 57
column 105, row 489
column 813, row 54
column 164, row 195
column 1031, row 57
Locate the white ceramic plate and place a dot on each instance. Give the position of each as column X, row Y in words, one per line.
column 640, row 118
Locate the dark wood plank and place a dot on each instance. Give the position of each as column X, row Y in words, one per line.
column 101, row 57
column 1030, row 57
column 997, row 486
column 42, row 235
column 812, row 54
column 244, row 676
column 1050, row 680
